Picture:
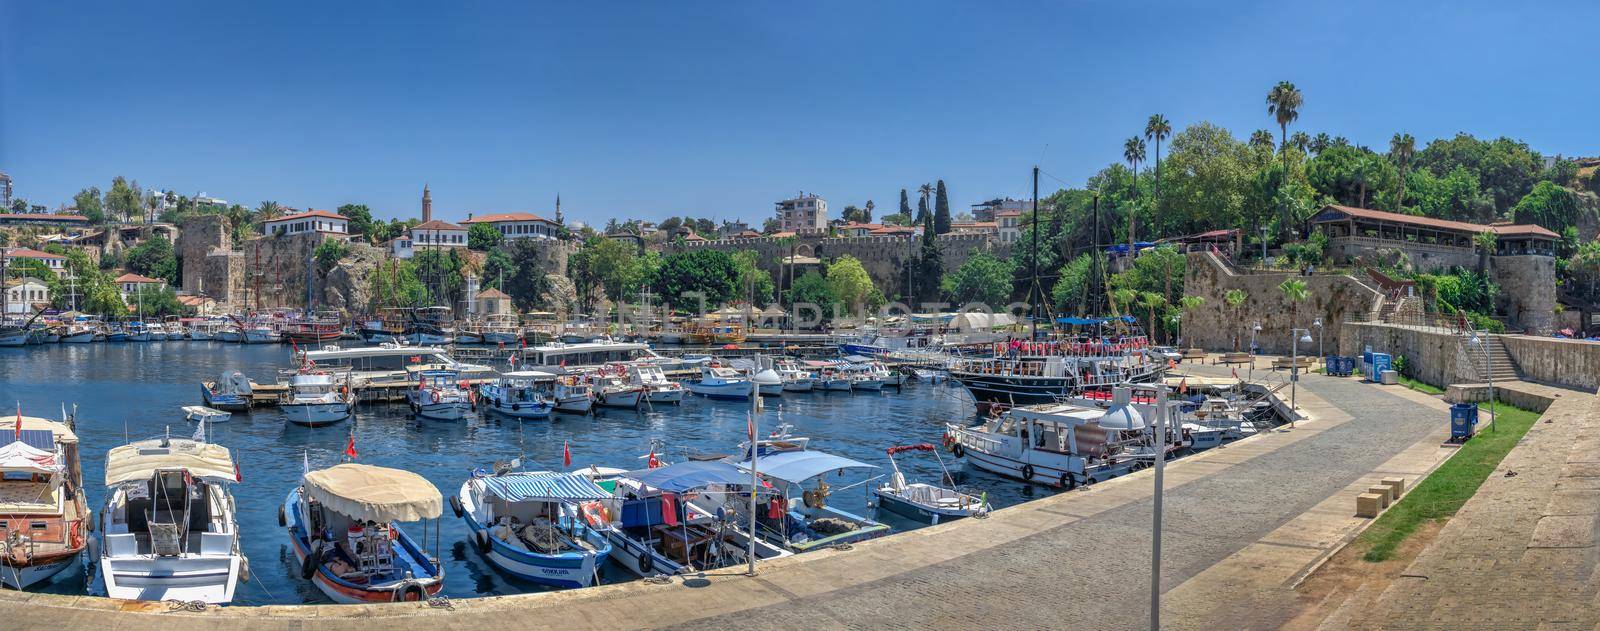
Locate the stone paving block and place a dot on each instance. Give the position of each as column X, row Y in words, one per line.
column 1369, row 505
column 1563, row 531
column 1385, row 491
column 1397, row 486
column 1584, row 502
column 1580, row 470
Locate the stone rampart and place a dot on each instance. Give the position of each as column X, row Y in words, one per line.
column 1527, row 291
column 1335, row 298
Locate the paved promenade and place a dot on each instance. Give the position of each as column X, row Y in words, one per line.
column 1242, row 524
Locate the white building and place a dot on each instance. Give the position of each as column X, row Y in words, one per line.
column 806, row 213
column 130, row 284
column 518, row 225
column 26, row 295
column 307, row 222
column 401, row 247
column 434, row 233
column 1010, row 225
column 55, row 262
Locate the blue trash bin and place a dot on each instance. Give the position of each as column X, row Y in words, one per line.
column 1463, row 421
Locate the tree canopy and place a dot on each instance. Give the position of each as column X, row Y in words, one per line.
column 982, row 278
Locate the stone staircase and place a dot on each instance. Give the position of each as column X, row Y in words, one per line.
column 1496, row 362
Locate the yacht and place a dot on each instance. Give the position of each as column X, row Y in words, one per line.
column 1047, row 371
column 795, row 378
column 387, row 364
column 717, row 382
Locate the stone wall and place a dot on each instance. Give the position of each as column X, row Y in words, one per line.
column 201, row 237
column 1569, row 363
column 1437, row 358
column 275, row 270
column 1424, row 256
column 1336, row 299
column 883, row 257
column 1527, row 291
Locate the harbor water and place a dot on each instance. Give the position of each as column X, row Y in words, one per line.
column 134, row 390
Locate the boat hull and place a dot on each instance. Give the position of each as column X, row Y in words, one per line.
column 23, row 577
column 208, row 579
column 14, row 337
column 799, row 385
column 575, row 405
column 667, row 395
column 727, row 391
column 340, row 591
column 444, row 411
column 628, row 399
column 567, row 570
column 315, row 414
column 866, row 384
column 1013, row 389
column 519, row 409
column 919, row 513
column 84, row 337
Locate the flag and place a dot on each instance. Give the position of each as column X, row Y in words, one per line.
column 1235, row 373
column 566, row 454
column 516, row 463
column 200, row 431
column 237, row 477
column 17, row 435
column 653, row 463
column 305, row 462
column 350, row 447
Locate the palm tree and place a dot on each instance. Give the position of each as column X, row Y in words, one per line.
column 1133, row 152
column 1235, row 298
column 1151, row 301
column 1294, row 291
column 1300, row 140
column 1157, row 129
column 1188, row 304
column 1321, row 142
column 788, row 243
column 1401, row 148
column 1262, row 139
column 1485, row 242
column 927, row 191
column 1124, row 297
column 1283, row 103
column 267, row 210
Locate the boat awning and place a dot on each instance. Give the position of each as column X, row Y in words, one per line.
column 25, row 455
column 141, row 459
column 798, row 466
column 546, row 487
column 691, row 475
column 858, row 359
column 375, row 493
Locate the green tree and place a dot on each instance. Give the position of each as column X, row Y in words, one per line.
column 1152, row 302
column 1320, row 142
column 395, row 284
column 923, row 213
column 88, row 204
column 1133, row 152
column 1208, row 181
column 930, row 263
column 1301, row 141
column 1485, row 242
column 1189, row 304
column 897, row 219
column 1551, row 205
column 1261, row 140
column 849, row 282
column 267, row 210
column 982, row 279
column 1294, row 292
column 1506, row 169
column 100, row 296
column 755, row 284
column 328, row 254
column 156, row 301
column 905, row 205
column 518, row 269
column 1072, row 285
column 154, row 258
column 19, row 205
column 711, row 273
column 1283, row 104
column 361, row 221
column 442, row 274
column 814, row 289
column 1235, row 300
column 941, row 209
column 1157, row 129
column 123, row 199
column 483, row 237
column 1402, row 147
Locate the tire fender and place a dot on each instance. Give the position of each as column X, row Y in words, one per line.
column 958, row 450
column 455, row 505
column 645, row 562
column 1027, row 473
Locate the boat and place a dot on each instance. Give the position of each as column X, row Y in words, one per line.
column 43, row 513
column 573, row 395
column 316, row 398
column 230, row 333
column 168, row 530
column 832, row 378
column 427, row 326
column 468, row 337
column 205, row 330
column 704, row 532
column 203, row 414
column 768, row 382
column 343, row 526
column 795, row 378
column 800, row 519
column 1047, row 371
column 654, row 380
column 580, row 357
column 389, row 364
column 174, row 329
column 862, row 377
column 874, row 343
column 260, row 334
column 717, row 382
column 923, row 502
column 79, row 334
column 313, row 331
column 501, row 328
column 440, row 395
column 232, row 392
column 518, row 394
column 613, row 390
column 531, row 525
column 390, row 327
column 137, row 331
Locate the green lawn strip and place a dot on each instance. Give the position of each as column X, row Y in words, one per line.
column 1420, row 386
column 1441, row 494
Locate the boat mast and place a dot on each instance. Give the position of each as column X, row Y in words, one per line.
column 1033, row 286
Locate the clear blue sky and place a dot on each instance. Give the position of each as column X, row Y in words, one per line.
column 718, row 109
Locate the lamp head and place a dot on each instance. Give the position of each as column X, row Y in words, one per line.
column 1474, row 340
column 1317, row 323
column 1305, row 338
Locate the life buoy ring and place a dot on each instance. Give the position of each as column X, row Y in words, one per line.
column 411, row 591
column 308, row 565
column 958, row 450
column 646, row 562
column 455, row 505
column 1027, row 473
column 77, row 534
column 283, row 520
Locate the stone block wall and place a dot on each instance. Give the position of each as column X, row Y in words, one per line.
column 1435, row 357
column 201, row 237
column 1336, row 299
column 1527, row 291
column 1569, row 363
column 883, row 257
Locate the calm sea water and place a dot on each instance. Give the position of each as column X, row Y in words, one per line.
column 134, row 391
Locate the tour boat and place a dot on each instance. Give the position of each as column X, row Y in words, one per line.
column 518, row 395
column 343, row 525
column 531, row 525
column 43, row 513
column 316, row 398
column 700, row 528
column 440, row 395
column 923, row 502
column 800, row 519
column 834, row 380
column 1042, row 372
column 232, row 392
column 795, row 378
column 654, row 380
column 389, row 364
column 717, row 382
column 614, row 391
column 79, row 334
column 168, row 530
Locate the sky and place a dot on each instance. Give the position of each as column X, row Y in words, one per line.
column 655, row 109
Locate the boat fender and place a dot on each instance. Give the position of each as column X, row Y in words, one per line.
column 308, row 566
column 244, row 569
column 455, row 505
column 515, row 407
column 283, row 520
column 77, row 534
column 645, row 562
column 958, row 450
column 1068, row 481
column 410, row 591
column 483, row 541
column 1027, row 472
column 1089, row 480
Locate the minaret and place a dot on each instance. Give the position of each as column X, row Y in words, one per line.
column 427, row 204
column 559, row 222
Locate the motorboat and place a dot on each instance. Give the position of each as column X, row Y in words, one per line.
column 717, row 382
column 79, row 334
column 168, row 530
column 316, row 398
column 832, row 379
column 231, row 392
column 768, row 382
column 440, row 395
column 389, row 364
column 795, row 378
column 654, row 380
column 923, row 502
column 427, row 326
column 532, row 525
column 203, row 414
column 862, row 377
column 136, row 331
column 501, row 328
column 573, row 395
column 518, row 395
column 581, row 356
column 260, row 334
column 43, row 513
column 344, row 526
column 613, row 390
column 230, row 333
column 466, row 337
column 682, row 518
column 798, row 518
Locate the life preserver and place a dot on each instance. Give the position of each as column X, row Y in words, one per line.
column 77, row 534
column 594, row 513
column 958, row 450
column 646, row 563
column 1027, row 473
column 455, row 505
column 410, row 592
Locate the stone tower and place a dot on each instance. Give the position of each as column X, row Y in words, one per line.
column 559, row 222
column 427, row 204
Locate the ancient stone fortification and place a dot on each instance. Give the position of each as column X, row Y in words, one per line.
column 883, row 257
column 1334, row 298
column 1570, row 363
column 203, row 237
column 1527, row 291
column 1439, row 357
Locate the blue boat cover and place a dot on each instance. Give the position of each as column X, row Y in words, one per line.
column 1092, row 320
column 798, row 466
column 553, row 487
column 691, row 475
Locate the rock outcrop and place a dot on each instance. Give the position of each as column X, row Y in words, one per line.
column 345, row 286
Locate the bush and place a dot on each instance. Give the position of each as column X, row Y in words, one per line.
column 1485, row 323
column 328, row 254
column 1402, row 365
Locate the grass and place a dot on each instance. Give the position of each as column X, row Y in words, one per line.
column 1420, row 386
column 1438, row 496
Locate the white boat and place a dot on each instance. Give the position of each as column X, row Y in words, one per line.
column 717, row 382
column 390, row 364
column 168, row 531
column 14, row 336
column 768, row 382
column 231, row 333
column 439, row 395
column 645, row 543
column 572, row 395
column 564, row 357
column 800, row 519
column 923, row 502
column 532, row 525
column 518, row 395
column 42, row 489
column 862, row 377
column 79, row 334
column 315, row 399
column 654, row 380
column 203, row 414
column 614, row 391
column 261, row 334
column 343, row 525
column 795, row 378
column 832, row 379
column 231, row 391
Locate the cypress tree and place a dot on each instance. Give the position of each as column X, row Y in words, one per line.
column 905, row 203
column 931, row 262
column 941, row 210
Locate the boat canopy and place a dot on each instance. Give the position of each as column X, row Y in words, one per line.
column 58, row 430
column 1085, row 321
column 141, row 459
column 796, row 467
column 375, row 493
column 858, row 359
column 33, row 452
column 690, row 475
column 544, row 487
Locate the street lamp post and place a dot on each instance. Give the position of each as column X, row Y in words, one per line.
column 1263, row 246
column 1318, row 323
column 1253, row 331
column 1294, row 365
column 1488, row 373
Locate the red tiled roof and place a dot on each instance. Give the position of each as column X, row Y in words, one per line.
column 782, row 234
column 502, row 217
column 693, row 237
column 1009, row 213
column 1443, row 224
column 44, row 217
column 193, row 301
column 327, row 214
column 135, row 278
column 493, row 293
column 25, row 253
column 894, row 230
column 435, row 224
column 974, row 224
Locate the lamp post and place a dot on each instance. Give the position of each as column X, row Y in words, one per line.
column 1488, row 373
column 1294, row 364
column 1256, row 328
column 1318, row 323
column 1263, row 246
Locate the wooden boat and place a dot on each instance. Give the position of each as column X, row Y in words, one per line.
column 800, row 519
column 440, row 395
column 922, row 502
column 343, row 524
column 518, row 395
column 168, row 530
column 43, row 513
column 696, row 539
column 530, row 525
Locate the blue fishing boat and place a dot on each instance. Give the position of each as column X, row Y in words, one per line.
column 231, row 392
column 343, row 524
column 543, row 527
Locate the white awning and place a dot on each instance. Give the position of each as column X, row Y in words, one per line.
column 140, row 460
column 375, row 493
